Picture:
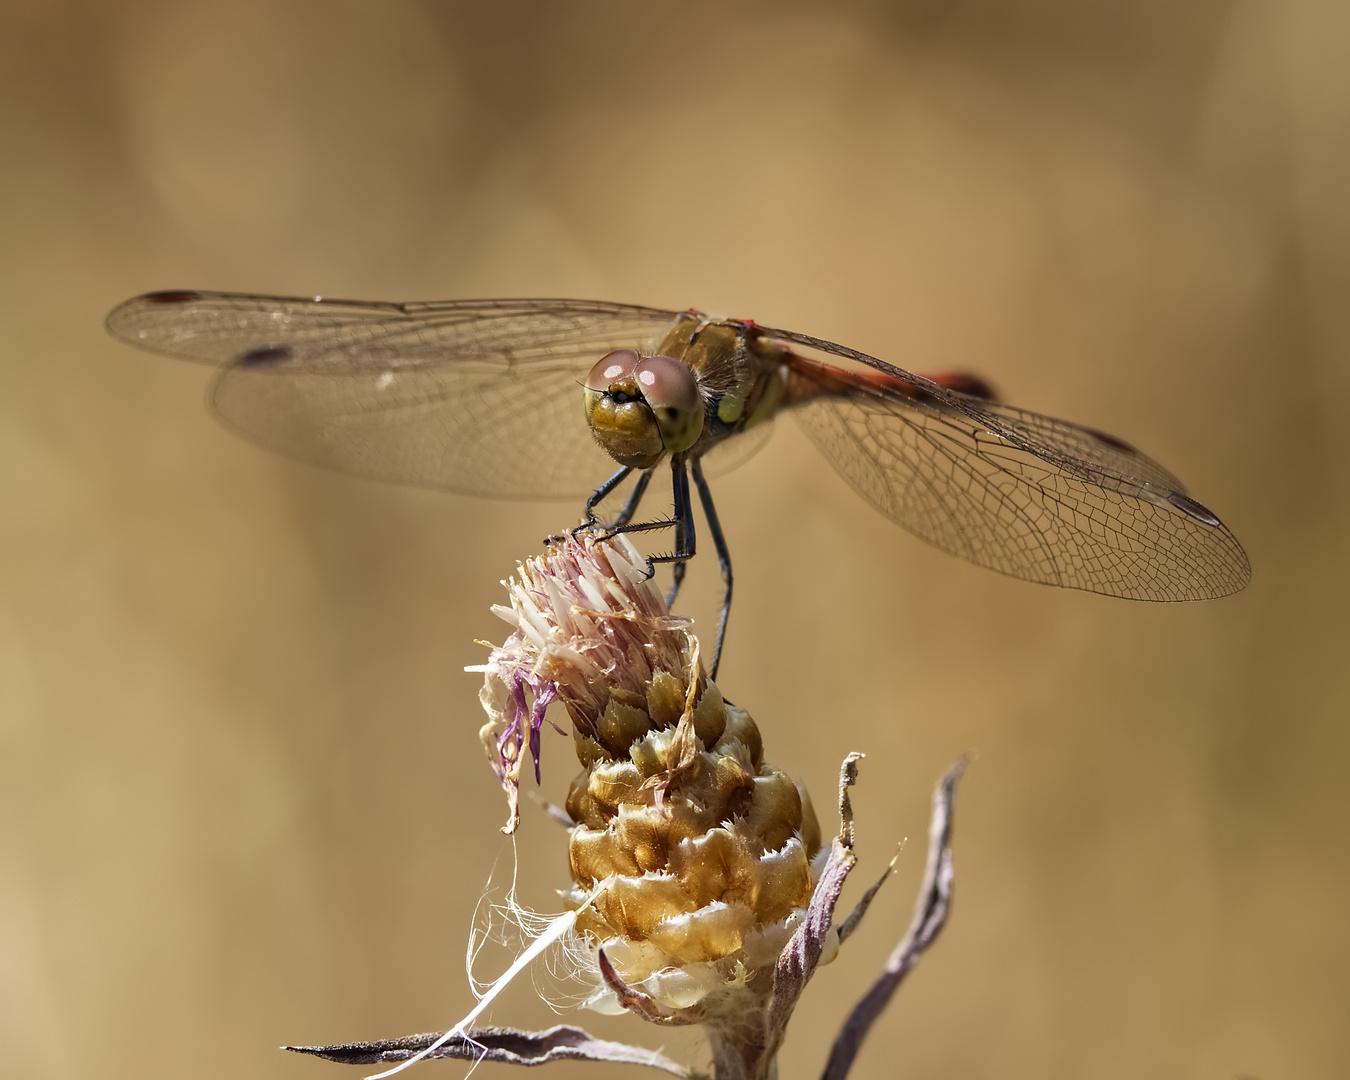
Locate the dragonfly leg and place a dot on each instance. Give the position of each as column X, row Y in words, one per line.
column 624, row 522
column 723, row 558
column 682, row 514
column 630, row 507
column 683, row 520
column 599, row 493
column 596, row 496
column 676, row 580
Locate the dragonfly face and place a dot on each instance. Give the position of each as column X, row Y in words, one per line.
column 642, row 407
column 481, row 397
column 708, row 380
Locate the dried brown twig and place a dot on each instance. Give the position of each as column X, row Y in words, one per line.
column 930, row 915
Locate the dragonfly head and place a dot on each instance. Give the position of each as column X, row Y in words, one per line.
column 641, row 408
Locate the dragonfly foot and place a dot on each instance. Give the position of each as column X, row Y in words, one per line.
column 591, row 526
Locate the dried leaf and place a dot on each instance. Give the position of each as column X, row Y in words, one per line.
column 930, row 915
column 506, row 1045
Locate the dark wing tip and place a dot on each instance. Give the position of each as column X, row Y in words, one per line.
column 1107, row 439
column 120, row 321
column 1227, row 569
column 265, row 356
column 169, row 296
column 968, row 383
column 1190, row 507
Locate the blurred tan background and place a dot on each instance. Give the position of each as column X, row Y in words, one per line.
column 241, row 797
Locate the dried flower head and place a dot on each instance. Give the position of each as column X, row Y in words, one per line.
column 690, row 854
column 700, row 891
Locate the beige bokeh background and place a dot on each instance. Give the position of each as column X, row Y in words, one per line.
column 241, row 797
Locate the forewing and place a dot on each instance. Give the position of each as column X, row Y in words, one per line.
column 1029, row 496
column 479, row 397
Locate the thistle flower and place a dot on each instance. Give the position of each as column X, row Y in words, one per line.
column 700, row 890
column 691, row 856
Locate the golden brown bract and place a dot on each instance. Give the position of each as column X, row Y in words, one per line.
column 697, row 856
column 691, row 857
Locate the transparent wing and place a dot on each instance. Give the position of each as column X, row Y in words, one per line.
column 1026, row 495
column 735, row 452
column 479, row 397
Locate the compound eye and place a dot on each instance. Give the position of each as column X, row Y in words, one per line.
column 668, row 384
column 613, row 367
column 671, row 390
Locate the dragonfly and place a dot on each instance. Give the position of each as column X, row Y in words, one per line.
column 541, row 398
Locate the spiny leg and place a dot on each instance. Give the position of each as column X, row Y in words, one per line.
column 603, row 490
column 676, row 579
column 723, row 558
column 630, row 507
column 624, row 522
column 599, row 493
column 683, row 520
column 683, row 514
